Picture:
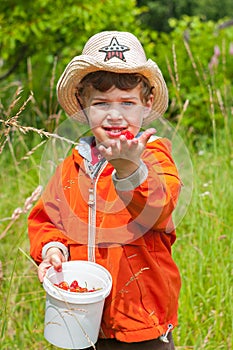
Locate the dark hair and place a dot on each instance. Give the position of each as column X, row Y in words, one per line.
column 104, row 80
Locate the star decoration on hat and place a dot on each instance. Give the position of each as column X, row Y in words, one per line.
column 114, row 49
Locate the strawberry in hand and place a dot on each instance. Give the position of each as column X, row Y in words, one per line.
column 127, row 134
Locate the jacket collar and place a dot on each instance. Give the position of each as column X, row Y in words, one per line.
column 83, row 152
column 84, row 147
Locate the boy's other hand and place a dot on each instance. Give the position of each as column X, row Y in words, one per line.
column 54, row 257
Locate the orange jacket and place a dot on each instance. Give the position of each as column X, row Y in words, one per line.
column 130, row 232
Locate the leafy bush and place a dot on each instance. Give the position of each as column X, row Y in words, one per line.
column 196, row 59
column 37, row 41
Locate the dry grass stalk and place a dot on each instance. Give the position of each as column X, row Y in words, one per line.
column 18, row 211
column 132, row 279
column 1, row 273
column 174, row 76
column 10, row 123
column 52, row 84
column 175, row 67
column 180, row 116
column 173, row 80
column 25, row 129
column 3, row 144
column 193, row 62
column 29, row 153
column 16, row 98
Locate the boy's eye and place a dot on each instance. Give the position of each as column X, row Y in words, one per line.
column 105, row 104
column 101, row 103
column 127, row 104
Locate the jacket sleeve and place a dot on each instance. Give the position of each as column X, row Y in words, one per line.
column 44, row 222
column 154, row 198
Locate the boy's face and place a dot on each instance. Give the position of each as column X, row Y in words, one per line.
column 111, row 112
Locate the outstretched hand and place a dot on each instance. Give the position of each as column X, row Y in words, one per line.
column 123, row 154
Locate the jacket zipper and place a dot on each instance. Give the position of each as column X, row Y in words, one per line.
column 92, row 213
column 91, row 227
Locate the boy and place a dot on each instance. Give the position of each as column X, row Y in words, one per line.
column 112, row 200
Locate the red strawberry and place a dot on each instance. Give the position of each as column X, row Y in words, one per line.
column 64, row 285
column 74, row 284
column 127, row 134
column 82, row 290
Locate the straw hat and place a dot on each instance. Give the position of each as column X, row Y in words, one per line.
column 119, row 52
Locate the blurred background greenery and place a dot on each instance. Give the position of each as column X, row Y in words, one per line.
column 192, row 42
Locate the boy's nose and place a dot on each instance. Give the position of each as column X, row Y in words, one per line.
column 114, row 114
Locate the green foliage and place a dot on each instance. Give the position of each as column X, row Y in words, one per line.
column 46, row 29
column 37, row 42
column 33, row 37
column 196, row 59
column 203, row 250
column 156, row 14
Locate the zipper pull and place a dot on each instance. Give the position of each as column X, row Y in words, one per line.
column 91, row 197
column 163, row 337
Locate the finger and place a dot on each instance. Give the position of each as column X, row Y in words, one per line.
column 41, row 275
column 105, row 152
column 147, row 134
column 112, row 150
column 125, row 144
column 42, row 269
column 123, row 139
column 56, row 262
column 103, row 148
column 150, row 131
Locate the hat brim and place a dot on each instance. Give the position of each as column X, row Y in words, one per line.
column 82, row 65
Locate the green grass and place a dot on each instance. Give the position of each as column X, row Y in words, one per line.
column 203, row 250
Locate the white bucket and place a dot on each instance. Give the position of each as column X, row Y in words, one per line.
column 72, row 320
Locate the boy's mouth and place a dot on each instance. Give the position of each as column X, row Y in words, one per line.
column 115, row 131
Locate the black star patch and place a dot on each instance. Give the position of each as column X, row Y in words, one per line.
column 114, row 49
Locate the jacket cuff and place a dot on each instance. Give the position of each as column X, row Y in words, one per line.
column 55, row 244
column 134, row 180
